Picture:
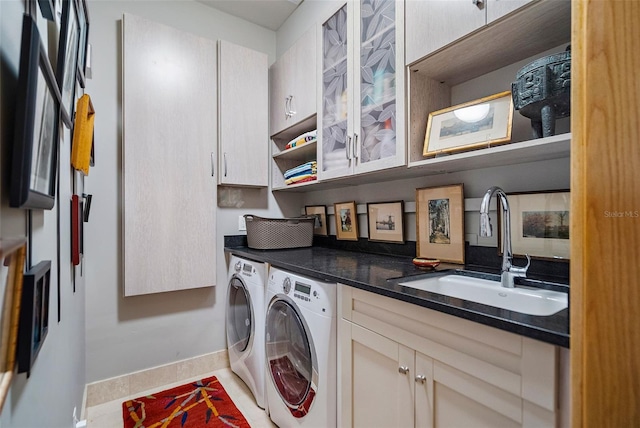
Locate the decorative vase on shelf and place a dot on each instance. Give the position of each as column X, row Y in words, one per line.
column 542, row 92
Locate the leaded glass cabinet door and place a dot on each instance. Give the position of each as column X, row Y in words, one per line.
column 335, row 148
column 379, row 111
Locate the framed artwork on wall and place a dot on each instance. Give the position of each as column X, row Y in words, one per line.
column 83, row 40
column 440, row 223
column 346, row 221
column 539, row 224
column 385, row 220
column 320, row 214
column 12, row 255
column 34, row 315
column 68, row 59
column 480, row 123
column 35, row 147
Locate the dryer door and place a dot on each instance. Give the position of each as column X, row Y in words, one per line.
column 291, row 357
column 239, row 316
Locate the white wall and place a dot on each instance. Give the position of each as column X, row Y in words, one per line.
column 135, row 333
column 56, row 382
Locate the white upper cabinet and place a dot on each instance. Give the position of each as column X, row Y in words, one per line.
column 433, row 24
column 361, row 103
column 293, row 84
column 243, row 125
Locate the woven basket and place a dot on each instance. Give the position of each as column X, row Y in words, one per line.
column 275, row 233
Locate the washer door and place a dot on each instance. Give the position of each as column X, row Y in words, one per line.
column 291, row 357
column 239, row 316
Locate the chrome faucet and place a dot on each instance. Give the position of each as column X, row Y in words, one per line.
column 508, row 271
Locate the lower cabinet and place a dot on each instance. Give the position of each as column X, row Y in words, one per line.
column 407, row 366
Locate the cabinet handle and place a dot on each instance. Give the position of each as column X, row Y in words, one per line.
column 291, row 110
column 347, row 152
column 212, row 165
column 421, row 378
column 403, row 369
column 286, row 107
column 225, row 164
column 478, row 3
column 355, row 146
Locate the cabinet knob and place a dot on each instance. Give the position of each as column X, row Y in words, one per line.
column 403, row 369
column 478, row 3
column 421, row 378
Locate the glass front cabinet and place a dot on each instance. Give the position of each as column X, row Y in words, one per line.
column 361, row 107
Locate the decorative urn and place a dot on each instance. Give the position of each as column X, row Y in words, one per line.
column 542, row 92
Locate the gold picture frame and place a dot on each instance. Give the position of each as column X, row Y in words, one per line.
column 320, row 214
column 475, row 124
column 539, row 224
column 12, row 254
column 385, row 221
column 440, row 223
column 346, row 221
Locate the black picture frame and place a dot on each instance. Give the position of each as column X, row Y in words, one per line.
column 48, row 9
column 66, row 70
column 34, row 314
column 35, row 150
column 83, row 41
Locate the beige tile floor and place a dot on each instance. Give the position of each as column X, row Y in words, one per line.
column 109, row 415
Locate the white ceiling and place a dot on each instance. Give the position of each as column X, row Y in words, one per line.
column 266, row 13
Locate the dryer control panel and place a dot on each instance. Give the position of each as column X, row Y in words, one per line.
column 307, row 293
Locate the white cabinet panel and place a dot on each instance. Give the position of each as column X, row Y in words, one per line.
column 169, row 144
column 244, row 127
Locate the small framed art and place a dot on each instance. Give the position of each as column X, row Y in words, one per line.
column 35, row 148
column 66, row 69
column 480, row 123
column 12, row 255
column 539, row 224
column 440, row 223
column 34, row 314
column 320, row 214
column 346, row 221
column 385, row 220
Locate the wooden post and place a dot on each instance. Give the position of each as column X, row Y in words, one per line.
column 605, row 214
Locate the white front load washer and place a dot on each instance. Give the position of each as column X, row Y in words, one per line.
column 245, row 324
column 301, row 329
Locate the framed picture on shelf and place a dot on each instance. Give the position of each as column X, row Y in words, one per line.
column 12, row 254
column 83, row 40
column 385, row 220
column 320, row 213
column 34, row 315
column 66, row 69
column 440, row 223
column 35, row 146
column 346, row 221
column 539, row 224
column 475, row 124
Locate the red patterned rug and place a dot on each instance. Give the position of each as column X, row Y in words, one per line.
column 202, row 403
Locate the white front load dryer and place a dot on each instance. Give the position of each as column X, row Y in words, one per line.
column 245, row 324
column 301, row 330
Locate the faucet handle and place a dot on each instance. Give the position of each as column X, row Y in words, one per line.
column 521, row 270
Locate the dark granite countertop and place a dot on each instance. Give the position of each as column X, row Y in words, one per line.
column 379, row 273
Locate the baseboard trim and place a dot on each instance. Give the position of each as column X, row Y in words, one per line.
column 133, row 383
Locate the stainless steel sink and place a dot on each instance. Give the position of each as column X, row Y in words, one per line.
column 526, row 300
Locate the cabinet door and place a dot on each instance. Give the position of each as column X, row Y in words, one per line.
column 432, row 24
column 303, row 74
column 377, row 382
column 461, row 400
column 244, row 133
column 335, row 143
column 379, row 96
column 169, row 141
column 278, row 106
column 499, row 8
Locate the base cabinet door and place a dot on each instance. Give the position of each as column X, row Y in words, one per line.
column 377, row 381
